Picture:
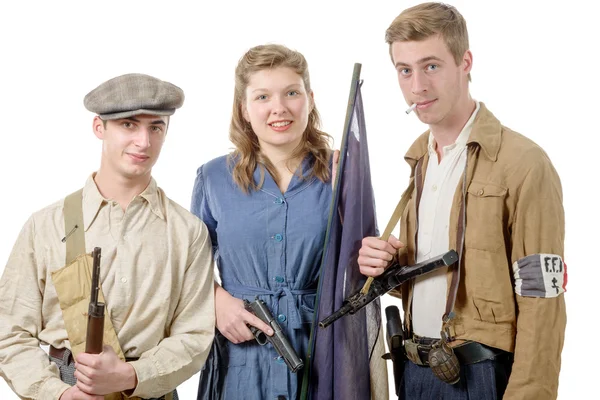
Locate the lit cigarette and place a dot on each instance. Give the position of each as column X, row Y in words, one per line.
column 411, row 108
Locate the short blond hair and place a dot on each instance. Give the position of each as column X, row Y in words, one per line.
column 428, row 19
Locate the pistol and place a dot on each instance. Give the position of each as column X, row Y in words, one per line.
column 395, row 339
column 95, row 326
column 278, row 340
column 394, row 276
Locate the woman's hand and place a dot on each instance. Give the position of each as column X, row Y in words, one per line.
column 232, row 318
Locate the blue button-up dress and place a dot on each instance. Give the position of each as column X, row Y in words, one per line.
column 266, row 244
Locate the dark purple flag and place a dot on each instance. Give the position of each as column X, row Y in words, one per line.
column 338, row 357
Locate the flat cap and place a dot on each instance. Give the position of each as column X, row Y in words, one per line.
column 134, row 94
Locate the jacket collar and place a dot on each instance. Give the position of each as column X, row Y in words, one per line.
column 487, row 133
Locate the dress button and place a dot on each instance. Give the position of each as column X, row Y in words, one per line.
column 278, row 200
column 281, row 318
column 279, row 279
column 278, row 237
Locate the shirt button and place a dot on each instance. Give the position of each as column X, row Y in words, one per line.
column 278, row 237
column 124, row 280
column 279, row 279
column 280, row 360
column 278, row 200
column 434, row 188
column 480, row 192
column 281, row 318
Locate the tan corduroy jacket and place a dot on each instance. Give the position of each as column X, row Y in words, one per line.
column 514, row 214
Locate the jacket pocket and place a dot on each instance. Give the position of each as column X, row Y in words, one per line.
column 489, row 289
column 485, row 214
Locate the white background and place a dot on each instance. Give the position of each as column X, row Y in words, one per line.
column 534, row 67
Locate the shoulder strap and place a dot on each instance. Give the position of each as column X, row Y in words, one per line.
column 392, row 222
column 74, row 231
column 460, row 242
column 399, row 210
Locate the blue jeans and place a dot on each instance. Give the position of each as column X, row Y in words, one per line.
column 485, row 380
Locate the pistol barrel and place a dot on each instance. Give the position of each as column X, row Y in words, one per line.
column 345, row 309
column 95, row 274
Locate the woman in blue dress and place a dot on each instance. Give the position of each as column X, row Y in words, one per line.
column 266, row 206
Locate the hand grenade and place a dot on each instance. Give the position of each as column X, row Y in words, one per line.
column 443, row 362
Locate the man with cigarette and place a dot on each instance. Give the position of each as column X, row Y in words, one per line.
column 493, row 324
column 155, row 271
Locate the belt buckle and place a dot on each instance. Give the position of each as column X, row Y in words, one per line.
column 412, row 351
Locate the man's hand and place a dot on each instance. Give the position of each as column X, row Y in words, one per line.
column 375, row 254
column 104, row 373
column 74, row 393
column 232, row 317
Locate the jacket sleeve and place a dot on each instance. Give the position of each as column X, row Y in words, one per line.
column 540, row 277
column 23, row 363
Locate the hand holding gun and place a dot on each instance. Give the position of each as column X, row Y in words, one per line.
column 278, row 340
column 394, row 276
column 95, row 327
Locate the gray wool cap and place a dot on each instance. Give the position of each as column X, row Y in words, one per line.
column 134, row 94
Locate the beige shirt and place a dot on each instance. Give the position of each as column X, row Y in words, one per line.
column 157, row 278
column 441, row 180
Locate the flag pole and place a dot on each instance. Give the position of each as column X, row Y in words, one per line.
column 354, row 85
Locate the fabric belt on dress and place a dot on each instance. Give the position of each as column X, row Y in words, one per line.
column 294, row 313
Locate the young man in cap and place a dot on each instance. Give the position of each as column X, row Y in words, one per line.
column 493, row 196
column 156, row 268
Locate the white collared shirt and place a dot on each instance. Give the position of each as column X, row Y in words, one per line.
column 441, row 180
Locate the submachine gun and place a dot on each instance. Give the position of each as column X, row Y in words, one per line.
column 394, row 276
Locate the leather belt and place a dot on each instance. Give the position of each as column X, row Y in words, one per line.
column 467, row 353
column 60, row 353
column 57, row 353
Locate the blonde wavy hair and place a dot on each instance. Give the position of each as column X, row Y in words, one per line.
column 247, row 155
column 428, row 19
